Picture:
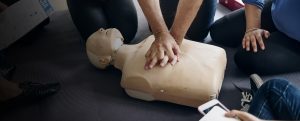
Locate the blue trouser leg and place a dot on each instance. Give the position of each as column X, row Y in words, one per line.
column 276, row 99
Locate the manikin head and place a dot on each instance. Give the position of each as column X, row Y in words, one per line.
column 101, row 46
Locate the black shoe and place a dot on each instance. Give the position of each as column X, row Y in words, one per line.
column 246, row 97
column 38, row 90
column 6, row 69
column 31, row 92
column 248, row 94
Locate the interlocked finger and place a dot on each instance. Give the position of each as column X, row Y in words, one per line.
column 164, row 61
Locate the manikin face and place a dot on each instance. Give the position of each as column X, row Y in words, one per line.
column 104, row 60
column 101, row 45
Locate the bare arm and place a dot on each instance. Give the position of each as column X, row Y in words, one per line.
column 253, row 34
column 152, row 11
column 164, row 49
column 253, row 16
column 186, row 13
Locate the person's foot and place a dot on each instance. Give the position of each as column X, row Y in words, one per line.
column 246, row 97
column 38, row 90
column 32, row 92
column 248, row 94
column 6, row 69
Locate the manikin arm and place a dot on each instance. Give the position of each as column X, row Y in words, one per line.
column 186, row 13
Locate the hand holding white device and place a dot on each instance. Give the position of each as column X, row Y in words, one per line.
column 206, row 107
column 217, row 114
column 214, row 111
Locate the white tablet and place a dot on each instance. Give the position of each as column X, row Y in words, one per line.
column 206, row 107
column 217, row 114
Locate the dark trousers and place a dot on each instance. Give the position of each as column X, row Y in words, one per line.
column 202, row 22
column 90, row 15
column 277, row 99
column 282, row 53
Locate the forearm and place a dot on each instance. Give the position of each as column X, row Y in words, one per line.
column 253, row 17
column 186, row 13
column 152, row 11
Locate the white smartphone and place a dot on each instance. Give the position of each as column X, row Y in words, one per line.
column 206, row 107
column 217, row 114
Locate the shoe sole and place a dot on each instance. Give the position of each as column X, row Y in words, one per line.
column 256, row 79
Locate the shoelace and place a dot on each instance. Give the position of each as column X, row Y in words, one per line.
column 246, row 97
column 246, row 100
column 34, row 89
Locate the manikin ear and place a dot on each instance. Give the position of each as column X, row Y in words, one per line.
column 116, row 39
column 100, row 62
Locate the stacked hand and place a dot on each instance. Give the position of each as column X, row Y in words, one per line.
column 162, row 51
column 253, row 38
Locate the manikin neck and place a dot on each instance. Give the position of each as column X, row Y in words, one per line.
column 121, row 55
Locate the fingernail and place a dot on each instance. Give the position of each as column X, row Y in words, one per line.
column 263, row 48
column 255, row 50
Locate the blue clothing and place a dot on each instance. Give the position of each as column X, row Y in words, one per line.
column 276, row 99
column 285, row 14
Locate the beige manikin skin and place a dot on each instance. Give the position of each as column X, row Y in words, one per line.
column 194, row 80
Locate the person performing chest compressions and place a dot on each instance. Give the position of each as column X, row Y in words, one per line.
column 194, row 80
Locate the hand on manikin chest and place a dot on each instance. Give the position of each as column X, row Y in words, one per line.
column 183, row 80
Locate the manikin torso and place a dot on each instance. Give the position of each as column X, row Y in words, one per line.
column 195, row 79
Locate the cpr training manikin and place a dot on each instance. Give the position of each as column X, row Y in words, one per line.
column 194, row 80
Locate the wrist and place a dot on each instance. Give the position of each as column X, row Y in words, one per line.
column 251, row 29
column 160, row 33
column 178, row 37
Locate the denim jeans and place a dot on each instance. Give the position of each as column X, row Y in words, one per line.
column 276, row 99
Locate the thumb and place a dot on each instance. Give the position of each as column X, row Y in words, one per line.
column 176, row 50
column 244, row 116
